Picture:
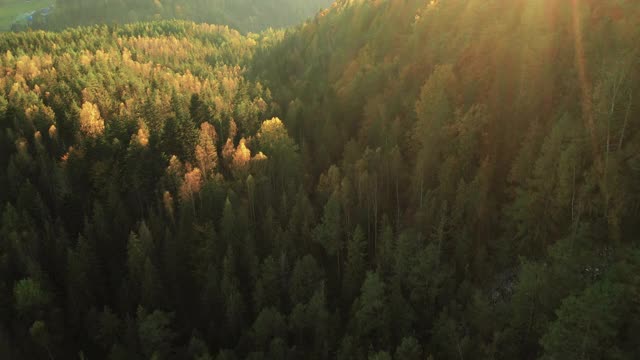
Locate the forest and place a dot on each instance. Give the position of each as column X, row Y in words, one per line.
column 390, row 179
column 244, row 15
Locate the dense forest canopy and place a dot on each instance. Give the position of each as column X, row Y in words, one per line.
column 244, row 15
column 447, row 179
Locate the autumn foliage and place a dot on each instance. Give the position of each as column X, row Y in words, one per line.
column 391, row 179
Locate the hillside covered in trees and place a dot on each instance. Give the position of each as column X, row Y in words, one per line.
column 408, row 179
column 244, row 15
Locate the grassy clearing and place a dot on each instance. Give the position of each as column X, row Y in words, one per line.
column 11, row 9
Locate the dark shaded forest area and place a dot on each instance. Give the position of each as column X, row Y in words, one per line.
column 451, row 179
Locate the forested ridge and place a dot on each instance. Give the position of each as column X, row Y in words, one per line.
column 244, row 15
column 448, row 179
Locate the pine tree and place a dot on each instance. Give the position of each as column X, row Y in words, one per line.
column 355, row 267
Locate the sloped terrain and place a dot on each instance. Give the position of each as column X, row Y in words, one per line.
column 391, row 179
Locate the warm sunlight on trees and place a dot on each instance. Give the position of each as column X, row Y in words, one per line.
column 408, row 179
column 241, row 158
column 206, row 152
column 91, row 124
column 191, row 185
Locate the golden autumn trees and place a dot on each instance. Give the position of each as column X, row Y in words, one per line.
column 206, row 152
column 91, row 123
column 191, row 185
column 227, row 152
column 407, row 137
column 274, row 141
column 142, row 136
column 241, row 158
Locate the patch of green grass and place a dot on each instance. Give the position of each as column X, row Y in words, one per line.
column 11, row 9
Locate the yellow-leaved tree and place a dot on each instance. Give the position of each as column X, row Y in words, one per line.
column 91, row 123
column 206, row 152
column 241, row 158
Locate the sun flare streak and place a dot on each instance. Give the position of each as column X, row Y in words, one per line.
column 580, row 58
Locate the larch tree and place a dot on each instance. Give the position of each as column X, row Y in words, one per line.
column 191, row 185
column 241, row 158
column 91, row 123
column 206, row 152
column 275, row 142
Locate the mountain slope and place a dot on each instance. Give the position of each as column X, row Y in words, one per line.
column 392, row 179
column 244, row 15
column 402, row 73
